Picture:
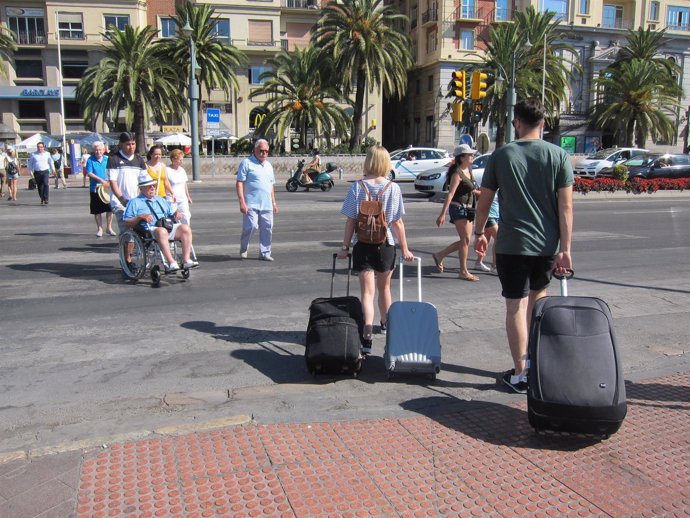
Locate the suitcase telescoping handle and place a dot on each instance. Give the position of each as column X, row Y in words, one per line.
column 563, row 277
column 418, row 260
column 349, row 272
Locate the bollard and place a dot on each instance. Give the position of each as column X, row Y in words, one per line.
column 340, row 173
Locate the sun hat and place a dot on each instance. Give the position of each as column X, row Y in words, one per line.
column 145, row 179
column 463, row 149
column 103, row 193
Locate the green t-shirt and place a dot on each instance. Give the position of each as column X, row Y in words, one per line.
column 527, row 175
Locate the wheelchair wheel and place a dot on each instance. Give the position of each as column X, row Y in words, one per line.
column 136, row 268
column 156, row 275
column 185, row 273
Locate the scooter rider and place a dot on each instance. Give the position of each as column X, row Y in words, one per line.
column 312, row 168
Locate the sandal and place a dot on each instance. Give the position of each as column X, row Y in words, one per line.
column 469, row 277
column 439, row 264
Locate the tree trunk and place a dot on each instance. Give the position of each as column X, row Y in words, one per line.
column 500, row 134
column 356, row 135
column 629, row 133
column 139, row 128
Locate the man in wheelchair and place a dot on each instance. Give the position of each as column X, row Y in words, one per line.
column 153, row 215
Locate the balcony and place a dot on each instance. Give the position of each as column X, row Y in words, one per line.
column 468, row 13
column 300, row 4
column 617, row 24
column 72, row 35
column 429, row 16
column 31, row 38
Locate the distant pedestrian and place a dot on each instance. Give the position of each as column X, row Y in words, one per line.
column 3, row 160
column 256, row 194
column 41, row 165
column 534, row 180
column 12, row 172
column 460, row 204
column 156, row 169
column 96, row 170
column 375, row 262
column 177, row 176
column 59, row 164
column 84, row 158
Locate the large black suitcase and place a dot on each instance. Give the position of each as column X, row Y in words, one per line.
column 575, row 380
column 334, row 332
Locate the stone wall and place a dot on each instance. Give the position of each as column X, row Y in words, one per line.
column 226, row 166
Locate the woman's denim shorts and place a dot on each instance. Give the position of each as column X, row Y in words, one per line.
column 456, row 212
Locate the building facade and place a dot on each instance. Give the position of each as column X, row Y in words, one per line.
column 30, row 98
column 447, row 35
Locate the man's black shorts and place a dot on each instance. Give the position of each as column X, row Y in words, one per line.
column 380, row 258
column 521, row 273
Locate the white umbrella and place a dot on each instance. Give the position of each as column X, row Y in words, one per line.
column 175, row 139
column 222, row 135
column 33, row 140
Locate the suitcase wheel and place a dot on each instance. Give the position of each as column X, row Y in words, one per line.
column 390, row 375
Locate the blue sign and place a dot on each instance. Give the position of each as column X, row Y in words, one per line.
column 213, row 115
column 466, row 139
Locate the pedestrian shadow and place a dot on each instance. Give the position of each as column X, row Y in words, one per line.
column 97, row 248
column 658, row 395
column 275, row 361
column 494, row 423
column 49, row 234
column 104, row 274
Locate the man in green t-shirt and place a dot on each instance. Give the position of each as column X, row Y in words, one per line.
column 534, row 180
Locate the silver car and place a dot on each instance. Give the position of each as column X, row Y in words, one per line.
column 435, row 181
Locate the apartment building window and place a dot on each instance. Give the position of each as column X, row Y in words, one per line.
column 468, row 9
column 678, row 18
column 430, row 83
column 222, row 30
column 168, row 28
column 119, row 21
column 584, row 6
column 73, row 110
column 28, row 24
column 654, row 9
column 502, row 10
column 255, row 74
column 260, row 33
column 429, row 129
column 467, row 40
column 613, row 16
column 558, row 7
column 431, row 41
column 70, row 26
column 32, row 109
column 416, row 130
column 28, row 68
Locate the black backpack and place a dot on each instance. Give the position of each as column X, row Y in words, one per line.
column 58, row 163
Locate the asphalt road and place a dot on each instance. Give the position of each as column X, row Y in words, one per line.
column 85, row 355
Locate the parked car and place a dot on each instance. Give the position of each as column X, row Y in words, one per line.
column 655, row 165
column 435, row 180
column 595, row 162
column 426, row 158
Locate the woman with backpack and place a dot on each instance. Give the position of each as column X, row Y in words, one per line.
column 373, row 253
column 12, row 172
column 59, row 164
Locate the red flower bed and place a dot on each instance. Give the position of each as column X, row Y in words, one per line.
column 637, row 186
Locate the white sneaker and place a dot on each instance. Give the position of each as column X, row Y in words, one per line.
column 99, row 233
column 481, row 267
column 191, row 264
column 494, row 270
column 172, row 267
column 243, row 254
column 266, row 258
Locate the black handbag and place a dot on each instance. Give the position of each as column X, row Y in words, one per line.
column 166, row 223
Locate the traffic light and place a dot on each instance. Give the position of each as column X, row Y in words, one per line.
column 456, row 112
column 478, row 85
column 459, row 84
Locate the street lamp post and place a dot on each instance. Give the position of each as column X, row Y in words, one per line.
column 510, row 108
column 193, row 103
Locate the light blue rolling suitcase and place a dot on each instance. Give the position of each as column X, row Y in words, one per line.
column 413, row 338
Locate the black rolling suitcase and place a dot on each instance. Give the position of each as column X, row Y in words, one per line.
column 32, row 184
column 575, row 381
column 334, row 332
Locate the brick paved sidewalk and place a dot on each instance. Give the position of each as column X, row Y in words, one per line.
column 481, row 461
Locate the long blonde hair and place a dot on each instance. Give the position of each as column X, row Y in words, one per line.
column 377, row 161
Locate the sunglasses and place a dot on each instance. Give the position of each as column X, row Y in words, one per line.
column 262, row 150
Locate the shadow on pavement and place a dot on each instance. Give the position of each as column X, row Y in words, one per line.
column 626, row 285
column 244, row 334
column 104, row 274
column 494, row 423
column 98, row 248
column 658, row 393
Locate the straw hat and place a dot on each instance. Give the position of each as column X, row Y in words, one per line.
column 103, row 193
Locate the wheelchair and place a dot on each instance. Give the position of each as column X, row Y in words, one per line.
column 147, row 256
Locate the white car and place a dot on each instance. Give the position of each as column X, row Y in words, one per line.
column 435, row 181
column 595, row 162
column 426, row 158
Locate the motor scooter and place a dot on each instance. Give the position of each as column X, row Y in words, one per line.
column 320, row 179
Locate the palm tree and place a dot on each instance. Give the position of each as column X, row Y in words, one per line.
column 541, row 30
column 300, row 96
column 368, row 49
column 133, row 77
column 7, row 47
column 215, row 57
column 646, row 44
column 634, row 103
